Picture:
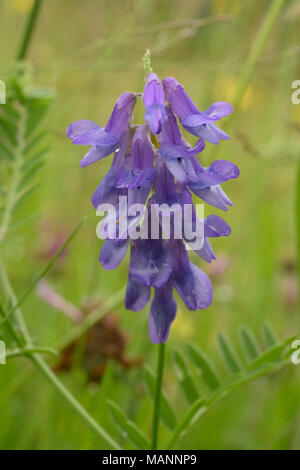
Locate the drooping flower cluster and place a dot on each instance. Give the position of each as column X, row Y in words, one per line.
column 154, row 165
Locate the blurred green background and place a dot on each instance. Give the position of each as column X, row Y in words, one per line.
column 89, row 52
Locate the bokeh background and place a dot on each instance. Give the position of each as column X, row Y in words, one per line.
column 88, row 53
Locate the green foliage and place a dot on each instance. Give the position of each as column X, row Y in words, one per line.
column 126, row 428
column 258, row 363
column 167, row 413
column 22, row 147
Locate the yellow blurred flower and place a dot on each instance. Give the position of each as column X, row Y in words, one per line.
column 295, row 113
column 183, row 326
column 226, row 86
column 220, row 7
column 21, row 6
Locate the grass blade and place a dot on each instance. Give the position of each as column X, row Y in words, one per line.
column 44, row 271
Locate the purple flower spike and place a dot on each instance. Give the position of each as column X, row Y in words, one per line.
column 154, row 101
column 158, row 173
column 197, row 123
column 162, row 314
column 103, row 141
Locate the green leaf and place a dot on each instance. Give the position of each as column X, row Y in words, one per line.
column 249, row 343
column 10, row 113
column 36, row 110
column 229, row 354
column 8, row 130
column 34, row 142
column 25, row 195
column 201, row 360
column 190, row 417
column 34, row 159
column 185, row 378
column 272, row 355
column 167, row 414
column 29, row 174
column 127, row 428
column 270, row 337
column 6, row 153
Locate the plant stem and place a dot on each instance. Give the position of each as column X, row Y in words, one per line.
column 16, row 177
column 298, row 224
column 159, row 380
column 45, row 370
column 72, row 402
column 147, row 63
column 90, row 320
column 257, row 49
column 31, row 22
column 188, row 417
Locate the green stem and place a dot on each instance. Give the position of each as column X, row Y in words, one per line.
column 16, row 177
column 147, row 63
column 45, row 370
column 188, row 417
column 30, row 350
column 31, row 22
column 72, row 402
column 90, row 320
column 257, row 49
column 298, row 223
column 159, row 380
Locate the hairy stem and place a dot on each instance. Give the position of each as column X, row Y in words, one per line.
column 157, row 400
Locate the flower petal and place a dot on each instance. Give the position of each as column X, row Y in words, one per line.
column 137, row 295
column 96, row 153
column 215, row 196
column 154, row 117
column 218, row 110
column 80, row 127
column 218, row 172
column 112, row 253
column 121, row 115
column 151, row 262
column 215, row 226
column 206, row 252
column 193, row 285
column 162, row 314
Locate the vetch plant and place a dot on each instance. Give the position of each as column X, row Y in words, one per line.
column 163, row 173
column 166, row 172
column 152, row 165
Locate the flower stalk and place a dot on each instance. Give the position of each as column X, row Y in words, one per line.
column 157, row 400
